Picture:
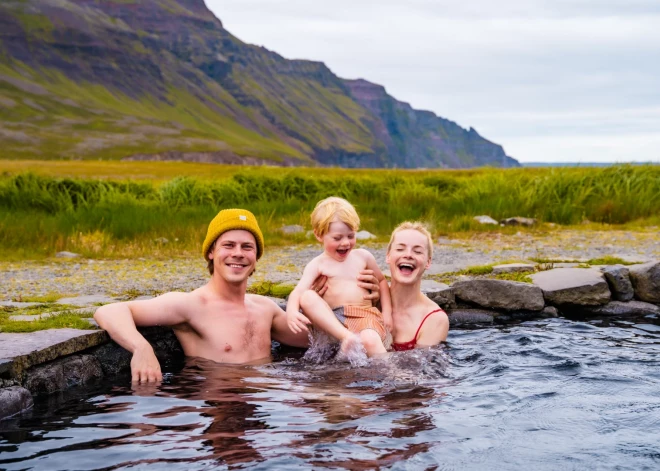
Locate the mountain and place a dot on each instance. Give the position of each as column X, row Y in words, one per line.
column 163, row 79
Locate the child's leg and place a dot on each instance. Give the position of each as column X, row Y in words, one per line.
column 372, row 342
column 318, row 311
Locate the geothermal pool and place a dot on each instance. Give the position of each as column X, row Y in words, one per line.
column 551, row 394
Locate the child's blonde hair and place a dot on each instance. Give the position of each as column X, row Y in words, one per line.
column 416, row 226
column 333, row 209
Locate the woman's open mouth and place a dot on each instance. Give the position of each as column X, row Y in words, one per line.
column 406, row 268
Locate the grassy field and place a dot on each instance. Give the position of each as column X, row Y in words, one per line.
column 123, row 209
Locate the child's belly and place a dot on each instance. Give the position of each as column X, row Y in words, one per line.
column 343, row 292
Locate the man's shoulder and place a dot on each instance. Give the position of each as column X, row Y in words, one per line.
column 262, row 302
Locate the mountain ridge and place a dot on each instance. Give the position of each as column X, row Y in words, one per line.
column 164, row 80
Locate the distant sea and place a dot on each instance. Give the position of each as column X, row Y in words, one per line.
column 583, row 164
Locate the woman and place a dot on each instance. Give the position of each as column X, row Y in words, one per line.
column 418, row 321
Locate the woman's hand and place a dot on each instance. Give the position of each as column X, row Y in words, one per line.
column 320, row 285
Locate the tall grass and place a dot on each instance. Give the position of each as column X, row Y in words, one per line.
column 40, row 215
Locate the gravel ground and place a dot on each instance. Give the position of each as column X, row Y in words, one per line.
column 124, row 279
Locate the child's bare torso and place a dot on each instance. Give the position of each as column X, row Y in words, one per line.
column 342, row 280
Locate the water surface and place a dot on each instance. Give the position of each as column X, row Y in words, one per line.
column 554, row 394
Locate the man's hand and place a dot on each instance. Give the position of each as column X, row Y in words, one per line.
column 367, row 280
column 144, row 366
column 297, row 322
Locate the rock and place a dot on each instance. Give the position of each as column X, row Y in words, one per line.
column 459, row 317
column 28, row 318
column 548, row 312
column 513, row 268
column 439, row 293
column 518, row 221
column 18, row 304
column 618, row 308
column 67, row 255
column 566, row 264
column 87, row 300
column 115, row 360
column 573, row 286
column 293, row 229
column 161, row 240
column 18, row 352
column 618, row 277
column 5, row 366
column 364, row 235
column 14, row 400
column 485, row 220
column 646, row 281
column 500, row 294
column 62, row 374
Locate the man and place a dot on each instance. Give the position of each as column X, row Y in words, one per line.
column 218, row 321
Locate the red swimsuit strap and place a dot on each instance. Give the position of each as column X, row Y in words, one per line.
column 422, row 323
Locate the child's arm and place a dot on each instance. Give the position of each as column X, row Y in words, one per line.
column 385, row 297
column 296, row 321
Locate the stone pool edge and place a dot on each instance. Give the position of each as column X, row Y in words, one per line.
column 75, row 357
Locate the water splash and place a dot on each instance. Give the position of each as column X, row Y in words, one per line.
column 324, row 349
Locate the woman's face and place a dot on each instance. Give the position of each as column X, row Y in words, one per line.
column 409, row 256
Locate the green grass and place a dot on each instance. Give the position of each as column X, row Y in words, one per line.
column 59, row 321
column 477, row 270
column 267, row 288
column 522, row 277
column 100, row 212
column 608, row 260
column 46, row 298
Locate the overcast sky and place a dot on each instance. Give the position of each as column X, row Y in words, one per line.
column 550, row 80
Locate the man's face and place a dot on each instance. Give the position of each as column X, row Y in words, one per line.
column 234, row 255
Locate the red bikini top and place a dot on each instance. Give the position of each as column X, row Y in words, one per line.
column 400, row 347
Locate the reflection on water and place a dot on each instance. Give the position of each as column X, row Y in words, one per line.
column 543, row 395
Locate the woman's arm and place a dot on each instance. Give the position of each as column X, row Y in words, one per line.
column 385, row 297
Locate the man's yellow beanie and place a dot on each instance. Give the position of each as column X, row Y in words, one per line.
column 231, row 219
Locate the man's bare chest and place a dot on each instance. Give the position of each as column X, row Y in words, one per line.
column 238, row 328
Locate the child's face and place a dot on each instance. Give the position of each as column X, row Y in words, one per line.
column 339, row 241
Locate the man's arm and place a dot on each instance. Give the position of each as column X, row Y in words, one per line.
column 281, row 332
column 120, row 320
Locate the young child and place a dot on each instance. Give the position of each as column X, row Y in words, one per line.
column 342, row 312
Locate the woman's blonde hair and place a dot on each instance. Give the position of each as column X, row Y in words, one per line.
column 331, row 209
column 416, row 226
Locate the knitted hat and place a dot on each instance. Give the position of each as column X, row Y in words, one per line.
column 229, row 220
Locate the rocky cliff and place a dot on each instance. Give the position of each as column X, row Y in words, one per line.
column 148, row 79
